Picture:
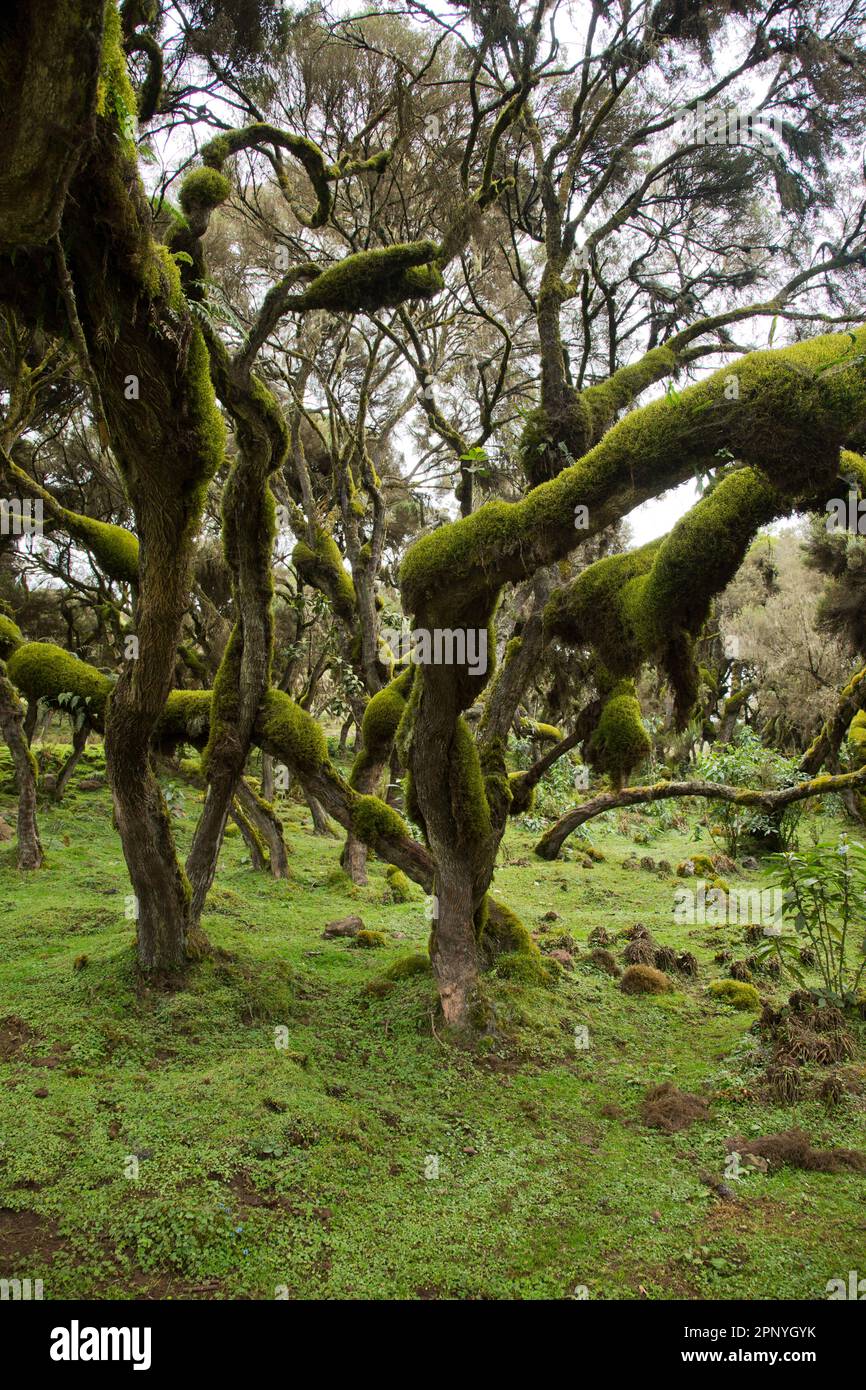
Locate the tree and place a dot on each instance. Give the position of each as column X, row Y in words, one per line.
column 573, row 191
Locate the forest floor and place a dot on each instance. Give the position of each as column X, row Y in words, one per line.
column 298, row 1129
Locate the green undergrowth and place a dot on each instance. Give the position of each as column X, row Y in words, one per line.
column 289, row 1109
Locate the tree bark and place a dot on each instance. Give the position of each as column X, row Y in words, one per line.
column 79, row 743
column 12, row 725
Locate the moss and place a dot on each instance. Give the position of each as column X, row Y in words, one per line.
column 372, row 280
column 203, row 189
column 620, row 741
column 10, row 636
column 368, row 940
column 499, row 930
column 719, row 886
column 522, row 795
column 700, row 864
column 292, row 734
column 115, row 98
column 737, row 993
column 321, row 566
column 533, row 728
column 644, row 979
column 43, row 671
column 400, row 888
column 856, row 739
column 467, row 786
column 793, row 405
column 408, row 966
column 113, row 547
column 525, row 970
column 185, row 719
column 379, row 725
column 374, row 819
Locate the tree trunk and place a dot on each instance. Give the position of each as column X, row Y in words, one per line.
column 453, row 952
column 252, row 840
column 268, row 825
column 12, row 726
column 30, row 719
column 79, row 743
column 321, row 824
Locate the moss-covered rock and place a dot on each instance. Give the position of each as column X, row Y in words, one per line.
column 368, row 940
column 737, row 993
column 526, row 969
column 400, row 888
column 409, row 966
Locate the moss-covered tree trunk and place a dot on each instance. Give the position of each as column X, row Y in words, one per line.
column 12, row 727
column 150, row 367
column 79, row 743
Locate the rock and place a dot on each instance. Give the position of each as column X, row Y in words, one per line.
column 91, row 784
column 749, row 863
column 648, row 863
column 6, row 832
column 550, row 916
column 343, row 926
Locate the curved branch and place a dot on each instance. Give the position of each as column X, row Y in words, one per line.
column 552, row 841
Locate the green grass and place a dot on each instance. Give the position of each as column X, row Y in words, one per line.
column 301, row 1168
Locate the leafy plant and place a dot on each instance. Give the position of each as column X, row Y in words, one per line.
column 747, row 762
column 825, row 907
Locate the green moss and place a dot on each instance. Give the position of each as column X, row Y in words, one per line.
column 499, row 930
column 374, row 819
column 372, row 280
column 115, row 98
column 526, row 969
column 408, row 966
column 644, row 979
column 701, row 864
column 467, row 786
column 793, row 403
column 737, row 993
column 379, row 725
column 186, row 718
column 522, row 795
column 291, row 734
column 368, row 940
column 42, row 671
column 321, row 566
column 203, row 189
column 11, row 636
column 620, row 741
column 400, row 888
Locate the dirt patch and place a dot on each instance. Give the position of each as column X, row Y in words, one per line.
column 14, row 1034
column 28, row 1242
column 668, row 1108
column 792, row 1148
